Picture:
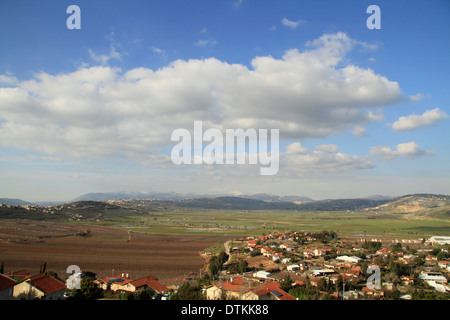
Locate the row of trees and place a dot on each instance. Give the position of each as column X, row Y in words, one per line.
column 216, row 263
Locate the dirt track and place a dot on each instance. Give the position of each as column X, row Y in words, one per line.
column 102, row 250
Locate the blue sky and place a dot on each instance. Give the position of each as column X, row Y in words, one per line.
column 360, row 111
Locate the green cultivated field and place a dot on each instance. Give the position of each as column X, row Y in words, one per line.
column 238, row 222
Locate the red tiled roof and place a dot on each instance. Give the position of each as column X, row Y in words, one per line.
column 117, row 276
column 234, row 287
column 46, row 284
column 6, row 282
column 20, row 273
column 235, row 284
column 150, row 281
column 155, row 285
column 237, row 281
column 272, row 286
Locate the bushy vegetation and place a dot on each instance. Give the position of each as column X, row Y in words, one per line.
column 216, row 262
column 188, row 291
column 88, row 291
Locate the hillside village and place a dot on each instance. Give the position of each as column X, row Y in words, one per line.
column 277, row 266
column 322, row 266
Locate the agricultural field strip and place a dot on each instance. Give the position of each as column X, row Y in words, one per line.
column 243, row 222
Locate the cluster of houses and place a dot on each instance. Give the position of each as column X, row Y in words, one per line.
column 21, row 285
column 238, row 288
column 307, row 260
column 297, row 256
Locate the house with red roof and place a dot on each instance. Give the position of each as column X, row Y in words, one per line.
column 19, row 274
column 444, row 265
column 266, row 251
column 122, row 282
column 383, row 252
column 113, row 282
column 251, row 244
column 234, row 288
column 6, row 287
column 268, row 291
column 144, row 283
column 40, row 287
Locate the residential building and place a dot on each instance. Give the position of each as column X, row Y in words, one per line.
column 6, row 287
column 440, row 240
column 437, row 277
column 262, row 274
column 114, row 282
column 293, row 267
column 40, row 287
column 352, row 259
column 234, row 288
column 268, row 291
column 144, row 283
column 20, row 274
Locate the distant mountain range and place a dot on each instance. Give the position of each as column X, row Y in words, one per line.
column 15, row 202
column 181, row 196
column 419, row 204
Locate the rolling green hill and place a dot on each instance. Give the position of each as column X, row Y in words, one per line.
column 417, row 205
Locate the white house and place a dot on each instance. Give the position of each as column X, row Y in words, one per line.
column 438, row 286
column 323, row 272
column 293, row 267
column 433, row 276
column 440, row 240
column 351, row 259
column 262, row 274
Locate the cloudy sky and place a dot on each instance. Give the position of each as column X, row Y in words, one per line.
column 359, row 111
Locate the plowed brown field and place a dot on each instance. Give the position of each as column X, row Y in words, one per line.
column 104, row 251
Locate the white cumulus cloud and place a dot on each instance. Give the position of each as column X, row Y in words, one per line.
column 324, row 160
column 411, row 122
column 290, row 23
column 408, row 149
column 103, row 111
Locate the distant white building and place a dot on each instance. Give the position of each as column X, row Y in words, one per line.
column 438, row 286
column 293, row 267
column 440, row 240
column 435, row 277
column 323, row 272
column 262, row 274
column 352, row 259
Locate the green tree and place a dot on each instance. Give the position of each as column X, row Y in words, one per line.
column 442, row 255
column 88, row 290
column 242, row 266
column 216, row 262
column 146, row 294
column 43, row 267
column 418, row 261
column 214, row 265
column 188, row 292
column 286, row 285
column 339, row 283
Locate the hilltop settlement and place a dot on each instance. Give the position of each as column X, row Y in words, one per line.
column 277, row 266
